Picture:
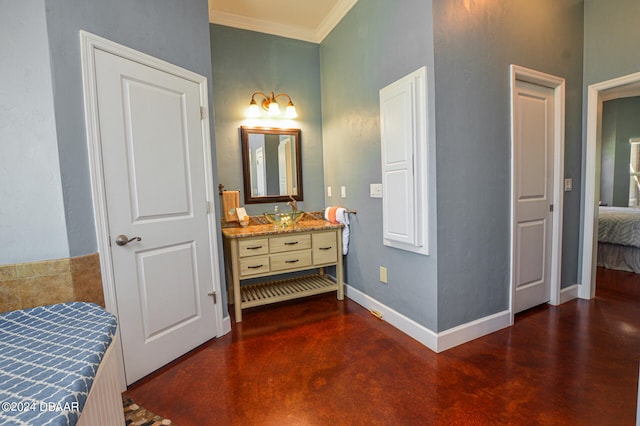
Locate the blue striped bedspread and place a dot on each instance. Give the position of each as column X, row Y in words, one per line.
column 619, row 225
column 49, row 357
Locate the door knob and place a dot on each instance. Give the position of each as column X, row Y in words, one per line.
column 122, row 240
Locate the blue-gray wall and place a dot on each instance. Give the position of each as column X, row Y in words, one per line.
column 32, row 223
column 377, row 43
column 620, row 122
column 245, row 62
column 475, row 42
column 177, row 32
column 42, row 128
column 611, row 34
column 611, row 48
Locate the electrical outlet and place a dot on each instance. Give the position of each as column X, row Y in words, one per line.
column 383, row 274
column 328, row 191
column 343, row 191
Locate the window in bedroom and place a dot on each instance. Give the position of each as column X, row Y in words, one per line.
column 634, row 173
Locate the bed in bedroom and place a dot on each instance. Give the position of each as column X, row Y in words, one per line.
column 619, row 238
column 58, row 366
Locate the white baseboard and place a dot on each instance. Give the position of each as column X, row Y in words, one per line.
column 472, row 330
column 226, row 325
column 569, row 293
column 437, row 342
column 408, row 326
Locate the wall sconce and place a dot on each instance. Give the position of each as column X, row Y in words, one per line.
column 270, row 105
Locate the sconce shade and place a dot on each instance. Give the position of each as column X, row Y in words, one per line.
column 274, row 109
column 270, row 104
column 291, row 112
column 254, row 109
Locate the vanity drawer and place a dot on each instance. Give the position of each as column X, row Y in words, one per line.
column 254, row 265
column 290, row 242
column 325, row 248
column 292, row 260
column 253, row 247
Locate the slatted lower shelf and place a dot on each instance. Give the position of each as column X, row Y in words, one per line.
column 278, row 291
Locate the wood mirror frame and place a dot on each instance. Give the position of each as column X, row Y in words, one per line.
column 292, row 166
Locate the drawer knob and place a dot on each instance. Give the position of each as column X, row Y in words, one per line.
column 254, row 247
column 325, row 248
column 292, row 261
column 255, row 266
column 291, row 243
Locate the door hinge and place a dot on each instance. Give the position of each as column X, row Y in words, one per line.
column 215, row 297
column 203, row 113
column 551, row 207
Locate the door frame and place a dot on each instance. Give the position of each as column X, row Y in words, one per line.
column 89, row 44
column 558, row 86
column 597, row 94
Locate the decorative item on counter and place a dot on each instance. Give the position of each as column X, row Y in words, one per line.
column 230, row 204
column 243, row 217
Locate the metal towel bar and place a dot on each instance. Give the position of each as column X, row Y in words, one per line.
column 354, row 211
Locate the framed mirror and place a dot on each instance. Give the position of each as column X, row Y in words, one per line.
column 271, row 164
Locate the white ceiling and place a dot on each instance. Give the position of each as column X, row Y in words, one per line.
column 308, row 20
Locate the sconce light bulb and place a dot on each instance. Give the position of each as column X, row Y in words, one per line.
column 274, row 109
column 269, row 104
column 254, row 109
column 291, row 112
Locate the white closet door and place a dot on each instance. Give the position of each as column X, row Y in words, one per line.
column 403, row 124
column 397, row 162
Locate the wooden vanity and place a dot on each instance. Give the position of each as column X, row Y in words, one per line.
column 265, row 250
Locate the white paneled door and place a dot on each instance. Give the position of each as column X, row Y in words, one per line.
column 155, row 185
column 533, row 192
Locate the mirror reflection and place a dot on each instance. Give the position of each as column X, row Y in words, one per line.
column 271, row 164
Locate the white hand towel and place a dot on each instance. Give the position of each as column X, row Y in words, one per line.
column 339, row 215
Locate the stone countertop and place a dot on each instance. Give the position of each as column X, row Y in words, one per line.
column 256, row 230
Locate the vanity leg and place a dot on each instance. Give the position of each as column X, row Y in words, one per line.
column 236, row 280
column 229, row 274
column 339, row 272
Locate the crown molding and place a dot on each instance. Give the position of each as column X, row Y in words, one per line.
column 296, row 32
column 262, row 26
column 334, row 17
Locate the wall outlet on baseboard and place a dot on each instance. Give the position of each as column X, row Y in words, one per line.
column 376, row 314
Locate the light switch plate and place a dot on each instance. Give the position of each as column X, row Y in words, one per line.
column 328, row 191
column 375, row 190
column 568, row 184
column 343, row 191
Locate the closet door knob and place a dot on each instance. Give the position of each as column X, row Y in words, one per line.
column 123, row 240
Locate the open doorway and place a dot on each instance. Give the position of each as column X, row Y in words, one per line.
column 622, row 87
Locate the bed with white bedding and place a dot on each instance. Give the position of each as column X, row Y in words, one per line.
column 619, row 238
column 50, row 358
